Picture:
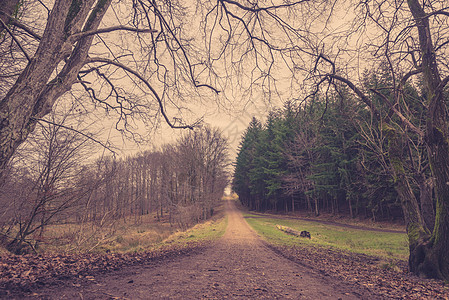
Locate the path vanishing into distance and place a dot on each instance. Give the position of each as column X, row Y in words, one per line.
column 237, row 266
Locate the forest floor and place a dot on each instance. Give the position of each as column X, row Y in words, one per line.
column 240, row 265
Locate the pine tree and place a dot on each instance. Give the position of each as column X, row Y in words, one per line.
column 244, row 163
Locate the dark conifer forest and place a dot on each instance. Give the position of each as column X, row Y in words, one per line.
column 331, row 155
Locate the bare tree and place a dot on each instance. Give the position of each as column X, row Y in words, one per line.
column 300, row 156
column 203, row 159
column 42, row 188
column 101, row 47
column 409, row 53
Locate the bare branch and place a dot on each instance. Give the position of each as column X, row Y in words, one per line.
column 77, row 131
column 357, row 91
column 408, row 75
column 442, row 11
column 321, row 56
column 15, row 40
column 183, row 50
column 26, row 29
column 404, row 120
column 256, row 9
column 80, row 35
column 148, row 85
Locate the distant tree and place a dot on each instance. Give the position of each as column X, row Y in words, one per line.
column 241, row 183
column 300, row 156
column 204, row 153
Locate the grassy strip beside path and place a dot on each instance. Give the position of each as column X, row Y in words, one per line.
column 205, row 232
column 381, row 244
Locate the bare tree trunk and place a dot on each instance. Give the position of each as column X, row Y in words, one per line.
column 426, row 200
column 430, row 255
column 293, row 204
column 351, row 213
column 416, row 229
column 34, row 94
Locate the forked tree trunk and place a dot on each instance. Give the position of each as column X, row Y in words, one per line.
column 35, row 91
column 431, row 255
column 417, row 232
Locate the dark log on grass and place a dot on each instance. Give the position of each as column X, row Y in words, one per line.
column 293, row 231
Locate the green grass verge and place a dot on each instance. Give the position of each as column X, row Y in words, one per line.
column 204, row 232
column 148, row 240
column 382, row 244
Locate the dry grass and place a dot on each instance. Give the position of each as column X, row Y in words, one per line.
column 125, row 235
column 122, row 235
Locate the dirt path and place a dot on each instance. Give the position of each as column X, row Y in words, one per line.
column 238, row 266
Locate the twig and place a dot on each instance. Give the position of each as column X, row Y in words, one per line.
column 77, row 131
column 140, row 77
column 15, row 39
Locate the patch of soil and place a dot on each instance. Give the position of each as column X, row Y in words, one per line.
column 388, row 279
column 21, row 275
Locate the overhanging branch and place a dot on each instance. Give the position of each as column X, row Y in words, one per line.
column 77, row 131
column 26, row 29
column 80, row 35
column 256, row 9
column 147, row 84
column 357, row 91
column 404, row 120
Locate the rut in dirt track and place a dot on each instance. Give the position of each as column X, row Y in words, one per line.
column 238, row 266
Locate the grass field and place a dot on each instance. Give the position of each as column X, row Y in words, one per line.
column 382, row 244
column 136, row 238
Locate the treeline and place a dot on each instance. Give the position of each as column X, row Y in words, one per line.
column 184, row 180
column 330, row 154
column 53, row 181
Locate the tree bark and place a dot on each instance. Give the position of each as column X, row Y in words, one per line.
column 426, row 200
column 317, row 210
column 293, row 204
column 35, row 91
column 351, row 212
column 430, row 255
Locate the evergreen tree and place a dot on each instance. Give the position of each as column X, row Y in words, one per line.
column 244, row 163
